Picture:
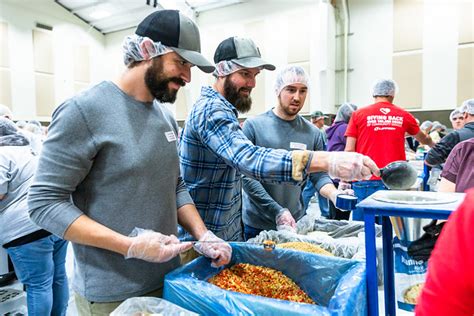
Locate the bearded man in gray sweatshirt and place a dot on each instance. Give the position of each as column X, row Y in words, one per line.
column 108, row 178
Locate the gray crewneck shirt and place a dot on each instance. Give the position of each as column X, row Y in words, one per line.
column 117, row 159
column 262, row 201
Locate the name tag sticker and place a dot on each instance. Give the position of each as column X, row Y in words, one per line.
column 300, row 146
column 170, row 136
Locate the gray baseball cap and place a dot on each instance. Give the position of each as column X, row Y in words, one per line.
column 241, row 51
column 179, row 33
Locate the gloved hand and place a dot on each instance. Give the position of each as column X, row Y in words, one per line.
column 344, row 185
column 335, row 193
column 215, row 248
column 154, row 247
column 421, row 248
column 285, row 221
column 349, row 166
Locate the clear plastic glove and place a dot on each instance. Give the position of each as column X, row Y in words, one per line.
column 285, row 221
column 215, row 248
column 151, row 246
column 344, row 185
column 335, row 193
column 349, row 166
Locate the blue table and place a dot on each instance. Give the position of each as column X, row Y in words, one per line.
column 371, row 208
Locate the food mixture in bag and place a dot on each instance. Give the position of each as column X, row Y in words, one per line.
column 306, row 247
column 257, row 280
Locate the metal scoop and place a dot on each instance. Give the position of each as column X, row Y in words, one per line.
column 398, row 175
column 267, row 244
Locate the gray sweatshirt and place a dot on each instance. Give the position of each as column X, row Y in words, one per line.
column 262, row 201
column 117, row 159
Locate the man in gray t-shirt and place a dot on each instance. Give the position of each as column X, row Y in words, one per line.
column 267, row 206
column 112, row 149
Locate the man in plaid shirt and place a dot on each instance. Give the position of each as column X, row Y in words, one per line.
column 214, row 152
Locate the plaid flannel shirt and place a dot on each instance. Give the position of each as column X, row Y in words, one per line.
column 214, row 152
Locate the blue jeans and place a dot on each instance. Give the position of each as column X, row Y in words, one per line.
column 40, row 266
column 308, row 192
column 250, row 232
column 362, row 189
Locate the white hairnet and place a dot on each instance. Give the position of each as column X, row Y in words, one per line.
column 385, row 87
column 467, row 106
column 20, row 124
column 455, row 113
column 436, row 125
column 290, row 75
column 345, row 111
column 5, row 111
column 138, row 48
column 9, row 135
column 226, row 67
column 426, row 124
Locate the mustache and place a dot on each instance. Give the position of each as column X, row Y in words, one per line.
column 177, row 80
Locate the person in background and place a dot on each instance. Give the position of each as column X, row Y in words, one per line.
column 458, row 172
column 337, row 142
column 457, row 176
column 457, row 119
column 265, row 204
column 378, row 131
column 214, row 151
column 108, row 176
column 449, row 286
column 317, row 118
column 336, row 132
column 38, row 256
column 438, row 154
column 436, row 132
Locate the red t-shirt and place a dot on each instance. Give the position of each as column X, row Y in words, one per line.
column 380, row 132
column 449, row 287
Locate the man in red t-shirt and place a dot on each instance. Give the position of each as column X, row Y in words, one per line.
column 378, row 131
column 449, row 287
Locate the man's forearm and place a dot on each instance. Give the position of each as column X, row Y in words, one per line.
column 88, row 232
column 189, row 218
column 328, row 190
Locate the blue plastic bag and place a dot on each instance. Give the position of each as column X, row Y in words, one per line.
column 337, row 285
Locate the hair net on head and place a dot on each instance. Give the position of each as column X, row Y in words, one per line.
column 21, row 124
column 9, row 135
column 5, row 111
column 426, row 124
column 436, row 125
column 385, row 87
column 454, row 113
column 227, row 67
column 345, row 111
column 467, row 106
column 290, row 75
column 138, row 48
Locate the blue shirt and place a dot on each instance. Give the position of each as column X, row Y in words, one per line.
column 214, row 153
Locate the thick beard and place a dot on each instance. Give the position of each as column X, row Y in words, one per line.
column 232, row 94
column 157, row 83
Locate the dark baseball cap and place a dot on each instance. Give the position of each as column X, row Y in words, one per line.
column 318, row 115
column 242, row 51
column 178, row 32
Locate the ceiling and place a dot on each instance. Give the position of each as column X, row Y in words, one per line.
column 114, row 15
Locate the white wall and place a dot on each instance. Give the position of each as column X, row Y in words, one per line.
column 370, row 48
column 68, row 31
